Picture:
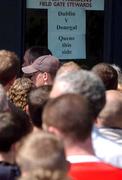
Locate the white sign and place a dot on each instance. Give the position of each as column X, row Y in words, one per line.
column 66, row 33
column 46, row 4
column 66, row 25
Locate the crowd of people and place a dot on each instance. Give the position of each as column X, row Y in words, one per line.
column 59, row 121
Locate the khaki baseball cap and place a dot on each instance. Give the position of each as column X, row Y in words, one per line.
column 46, row 63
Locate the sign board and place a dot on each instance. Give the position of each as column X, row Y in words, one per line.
column 86, row 4
column 66, row 33
column 67, row 25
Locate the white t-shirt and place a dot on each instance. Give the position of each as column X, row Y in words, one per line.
column 82, row 158
column 106, row 150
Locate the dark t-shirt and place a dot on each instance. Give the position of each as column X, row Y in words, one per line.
column 9, row 171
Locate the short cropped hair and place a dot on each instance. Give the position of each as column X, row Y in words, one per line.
column 111, row 114
column 42, row 151
column 68, row 67
column 71, row 114
column 81, row 82
column 9, row 66
column 13, row 127
column 108, row 74
column 37, row 99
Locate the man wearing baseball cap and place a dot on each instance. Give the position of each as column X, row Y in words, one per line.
column 43, row 70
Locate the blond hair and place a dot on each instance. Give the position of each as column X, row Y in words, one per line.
column 45, row 174
column 9, row 66
column 68, row 67
column 42, row 150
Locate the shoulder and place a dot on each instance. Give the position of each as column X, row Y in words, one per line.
column 97, row 170
column 107, row 150
column 8, row 171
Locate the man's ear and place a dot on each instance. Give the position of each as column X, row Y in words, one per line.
column 27, row 109
column 99, row 122
column 45, row 77
column 52, row 129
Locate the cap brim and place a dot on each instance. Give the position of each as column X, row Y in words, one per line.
column 29, row 69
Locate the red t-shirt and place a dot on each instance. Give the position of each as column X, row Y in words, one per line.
column 94, row 171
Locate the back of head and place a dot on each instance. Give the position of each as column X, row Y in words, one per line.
column 37, row 99
column 19, row 91
column 81, row 82
column 9, row 66
column 33, row 53
column 13, row 126
column 68, row 67
column 108, row 74
column 48, row 155
column 71, row 114
column 111, row 114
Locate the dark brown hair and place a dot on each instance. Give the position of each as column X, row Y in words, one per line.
column 71, row 114
column 13, row 127
column 108, row 75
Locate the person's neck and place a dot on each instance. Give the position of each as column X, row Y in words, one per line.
column 8, row 157
column 79, row 148
column 48, row 82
